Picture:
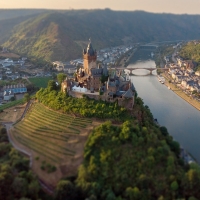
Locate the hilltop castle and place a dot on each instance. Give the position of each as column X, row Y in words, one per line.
column 97, row 82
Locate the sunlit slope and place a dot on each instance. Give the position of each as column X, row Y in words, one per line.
column 62, row 35
column 53, row 138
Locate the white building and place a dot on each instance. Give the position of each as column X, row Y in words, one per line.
column 8, row 95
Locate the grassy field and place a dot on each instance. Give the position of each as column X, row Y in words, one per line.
column 54, row 139
column 40, row 81
column 11, row 104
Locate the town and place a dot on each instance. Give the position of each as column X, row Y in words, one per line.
column 183, row 74
column 19, row 70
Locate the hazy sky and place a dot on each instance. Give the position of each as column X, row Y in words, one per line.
column 167, row 6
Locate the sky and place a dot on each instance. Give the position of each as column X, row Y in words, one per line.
column 156, row 6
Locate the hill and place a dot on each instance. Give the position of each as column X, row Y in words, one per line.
column 129, row 158
column 61, row 35
column 7, row 25
column 15, row 13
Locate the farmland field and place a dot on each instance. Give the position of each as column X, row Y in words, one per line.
column 11, row 104
column 40, row 81
column 54, row 139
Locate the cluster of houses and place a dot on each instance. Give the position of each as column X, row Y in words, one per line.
column 9, row 91
column 109, row 56
column 9, row 62
column 6, row 66
column 65, row 67
column 183, row 73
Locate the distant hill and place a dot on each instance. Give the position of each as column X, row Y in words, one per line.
column 61, row 35
column 13, row 13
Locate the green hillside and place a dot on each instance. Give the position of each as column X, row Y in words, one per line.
column 191, row 51
column 135, row 163
column 62, row 35
column 7, row 26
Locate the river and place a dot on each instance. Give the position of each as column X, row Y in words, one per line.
column 181, row 119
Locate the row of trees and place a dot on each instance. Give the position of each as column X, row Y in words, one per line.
column 85, row 107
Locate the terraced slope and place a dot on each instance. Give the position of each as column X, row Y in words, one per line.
column 54, row 139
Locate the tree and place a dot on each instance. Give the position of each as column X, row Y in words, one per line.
column 30, row 87
column 3, row 131
column 3, row 135
column 164, row 131
column 51, row 85
column 54, row 76
column 12, row 98
column 174, row 186
column 61, row 77
column 27, row 97
column 6, row 178
column 175, row 147
column 129, row 193
column 19, row 186
column 65, row 190
column 192, row 198
column 33, row 189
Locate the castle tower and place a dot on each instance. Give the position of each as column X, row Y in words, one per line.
column 89, row 58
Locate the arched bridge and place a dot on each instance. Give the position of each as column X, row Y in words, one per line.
column 131, row 70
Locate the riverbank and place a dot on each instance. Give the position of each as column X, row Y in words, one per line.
column 180, row 93
column 124, row 60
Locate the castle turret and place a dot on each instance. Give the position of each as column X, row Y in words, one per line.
column 89, row 58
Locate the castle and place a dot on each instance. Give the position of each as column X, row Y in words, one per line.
column 98, row 83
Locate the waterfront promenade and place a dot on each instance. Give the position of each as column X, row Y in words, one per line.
column 180, row 93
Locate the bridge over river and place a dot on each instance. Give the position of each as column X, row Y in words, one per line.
column 131, row 70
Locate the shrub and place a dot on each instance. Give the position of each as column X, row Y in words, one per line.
column 37, row 158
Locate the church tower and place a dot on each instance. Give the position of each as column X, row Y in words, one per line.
column 89, row 58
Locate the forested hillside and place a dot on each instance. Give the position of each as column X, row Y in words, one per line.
column 61, row 35
column 135, row 162
column 7, row 26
